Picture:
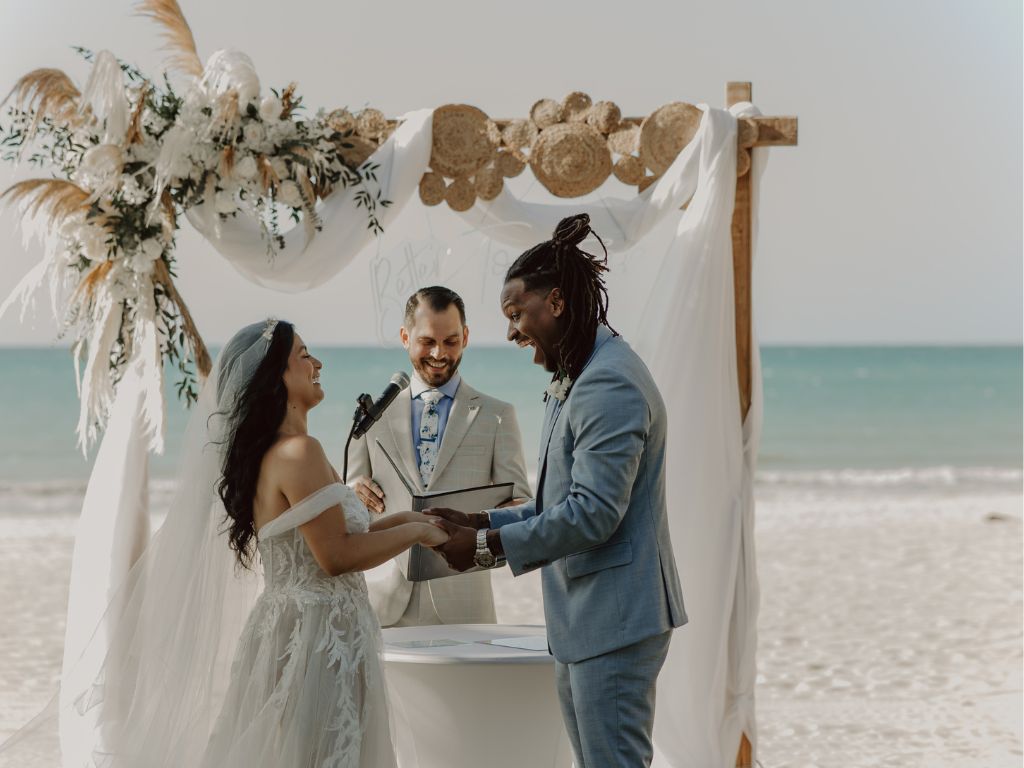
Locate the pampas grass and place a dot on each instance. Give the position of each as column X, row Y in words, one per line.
column 49, row 93
column 54, row 198
column 176, row 32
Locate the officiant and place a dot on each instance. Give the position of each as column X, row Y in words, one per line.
column 445, row 435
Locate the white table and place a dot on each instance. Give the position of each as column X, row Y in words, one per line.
column 472, row 704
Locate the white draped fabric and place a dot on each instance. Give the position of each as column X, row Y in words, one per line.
column 304, row 261
column 687, row 337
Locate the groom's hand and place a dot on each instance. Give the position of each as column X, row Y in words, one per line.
column 475, row 521
column 460, row 548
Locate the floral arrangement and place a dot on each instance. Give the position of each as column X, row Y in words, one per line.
column 129, row 157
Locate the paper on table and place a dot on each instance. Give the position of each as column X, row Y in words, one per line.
column 440, row 643
column 526, row 643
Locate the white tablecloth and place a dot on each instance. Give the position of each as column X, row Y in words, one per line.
column 473, row 704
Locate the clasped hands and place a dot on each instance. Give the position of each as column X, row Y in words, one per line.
column 460, row 549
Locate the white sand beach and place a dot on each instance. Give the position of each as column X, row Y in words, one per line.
column 889, row 634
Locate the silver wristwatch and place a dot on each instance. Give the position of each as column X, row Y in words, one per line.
column 483, row 558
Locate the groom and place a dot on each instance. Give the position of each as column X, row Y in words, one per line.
column 598, row 525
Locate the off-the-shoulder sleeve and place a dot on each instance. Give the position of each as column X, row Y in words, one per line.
column 307, row 509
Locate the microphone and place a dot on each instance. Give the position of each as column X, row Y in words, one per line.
column 373, row 412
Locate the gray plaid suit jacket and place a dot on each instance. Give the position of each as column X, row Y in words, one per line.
column 481, row 445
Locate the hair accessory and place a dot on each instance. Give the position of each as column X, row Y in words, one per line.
column 268, row 329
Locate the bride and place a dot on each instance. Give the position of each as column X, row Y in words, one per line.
column 306, row 688
column 192, row 665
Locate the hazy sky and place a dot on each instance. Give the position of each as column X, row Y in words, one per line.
column 896, row 220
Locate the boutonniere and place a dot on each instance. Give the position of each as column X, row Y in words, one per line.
column 558, row 389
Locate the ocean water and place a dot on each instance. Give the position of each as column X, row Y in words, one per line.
column 862, row 416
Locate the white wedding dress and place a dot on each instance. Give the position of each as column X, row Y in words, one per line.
column 306, row 688
column 196, row 661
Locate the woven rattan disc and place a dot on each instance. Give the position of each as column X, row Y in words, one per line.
column 742, row 162
column 510, row 165
column 432, row 188
column 488, row 183
column 545, row 113
column 746, row 132
column 645, row 182
column 604, row 116
column 462, row 140
column 576, row 107
column 357, row 151
column 519, row 134
column 371, row 124
column 460, row 195
column 571, row 159
column 665, row 132
column 629, row 169
column 624, row 140
column 493, row 133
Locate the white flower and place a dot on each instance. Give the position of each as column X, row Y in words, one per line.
column 93, row 240
column 245, row 168
column 270, row 108
column 100, row 166
column 152, row 248
column 140, row 263
column 289, row 194
column 559, row 389
column 173, row 161
column 280, row 167
column 132, row 191
column 254, row 134
column 224, row 202
column 281, row 131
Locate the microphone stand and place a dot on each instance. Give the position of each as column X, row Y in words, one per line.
column 363, row 404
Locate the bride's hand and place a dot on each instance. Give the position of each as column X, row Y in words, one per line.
column 431, row 534
column 416, row 517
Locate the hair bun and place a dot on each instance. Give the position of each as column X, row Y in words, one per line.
column 572, row 230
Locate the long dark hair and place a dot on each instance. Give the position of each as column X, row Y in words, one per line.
column 253, row 420
column 559, row 263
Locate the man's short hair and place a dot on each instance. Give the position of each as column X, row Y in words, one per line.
column 438, row 298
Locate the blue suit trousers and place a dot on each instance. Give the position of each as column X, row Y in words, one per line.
column 608, row 704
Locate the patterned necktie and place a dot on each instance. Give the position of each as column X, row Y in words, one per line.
column 429, row 438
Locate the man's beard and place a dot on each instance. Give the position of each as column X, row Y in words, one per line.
column 436, row 377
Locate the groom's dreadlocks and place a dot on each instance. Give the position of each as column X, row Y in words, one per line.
column 559, row 263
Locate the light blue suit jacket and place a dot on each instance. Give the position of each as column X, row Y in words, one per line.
column 598, row 525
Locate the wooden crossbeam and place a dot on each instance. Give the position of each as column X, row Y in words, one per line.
column 775, row 131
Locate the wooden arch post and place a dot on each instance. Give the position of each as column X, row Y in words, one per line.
column 780, row 132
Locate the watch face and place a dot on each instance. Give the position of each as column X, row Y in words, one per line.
column 484, row 559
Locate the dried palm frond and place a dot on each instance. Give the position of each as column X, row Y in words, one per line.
column 56, row 198
column 169, row 218
column 311, row 221
column 134, row 134
column 49, row 93
column 288, row 100
column 268, row 178
column 200, row 354
column 177, row 33
column 227, row 161
column 92, row 278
